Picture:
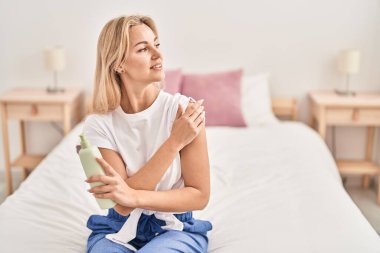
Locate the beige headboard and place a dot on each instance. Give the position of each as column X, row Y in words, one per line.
column 282, row 107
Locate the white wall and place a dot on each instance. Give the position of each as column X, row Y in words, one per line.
column 296, row 40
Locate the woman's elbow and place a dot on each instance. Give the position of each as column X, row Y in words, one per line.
column 205, row 198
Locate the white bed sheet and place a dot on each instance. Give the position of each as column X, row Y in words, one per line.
column 273, row 189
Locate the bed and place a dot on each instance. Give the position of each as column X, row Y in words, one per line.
column 273, row 189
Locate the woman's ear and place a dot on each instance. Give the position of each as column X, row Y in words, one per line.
column 119, row 70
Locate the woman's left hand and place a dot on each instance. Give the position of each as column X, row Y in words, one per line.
column 114, row 187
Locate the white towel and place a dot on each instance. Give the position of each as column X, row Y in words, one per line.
column 129, row 229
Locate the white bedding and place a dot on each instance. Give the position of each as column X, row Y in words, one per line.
column 273, row 189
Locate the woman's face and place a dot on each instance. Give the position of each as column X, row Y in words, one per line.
column 144, row 61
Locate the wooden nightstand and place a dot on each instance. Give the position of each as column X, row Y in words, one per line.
column 285, row 107
column 35, row 104
column 330, row 109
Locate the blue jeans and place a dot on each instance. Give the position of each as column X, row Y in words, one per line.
column 150, row 237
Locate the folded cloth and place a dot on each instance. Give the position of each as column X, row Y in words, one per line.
column 141, row 226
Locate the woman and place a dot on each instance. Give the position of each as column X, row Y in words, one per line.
column 154, row 152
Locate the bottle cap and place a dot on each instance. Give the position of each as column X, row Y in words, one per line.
column 84, row 143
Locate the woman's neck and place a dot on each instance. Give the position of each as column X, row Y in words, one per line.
column 137, row 100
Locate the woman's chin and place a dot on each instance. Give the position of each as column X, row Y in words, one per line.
column 158, row 76
column 156, row 80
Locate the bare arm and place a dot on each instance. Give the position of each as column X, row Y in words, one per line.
column 184, row 130
column 194, row 196
column 196, row 174
column 148, row 176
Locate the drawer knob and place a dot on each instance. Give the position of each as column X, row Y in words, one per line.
column 34, row 110
column 355, row 115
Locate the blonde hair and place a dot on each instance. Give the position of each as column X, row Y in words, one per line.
column 112, row 50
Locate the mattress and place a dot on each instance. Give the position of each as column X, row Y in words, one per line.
column 273, row 189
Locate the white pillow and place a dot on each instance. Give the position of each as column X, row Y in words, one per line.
column 256, row 101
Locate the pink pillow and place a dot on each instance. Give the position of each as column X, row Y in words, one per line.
column 172, row 81
column 221, row 92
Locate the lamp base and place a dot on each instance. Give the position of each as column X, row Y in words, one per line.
column 347, row 93
column 55, row 90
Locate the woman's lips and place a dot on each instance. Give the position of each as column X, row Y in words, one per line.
column 157, row 67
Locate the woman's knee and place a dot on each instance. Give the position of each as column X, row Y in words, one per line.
column 175, row 242
column 105, row 245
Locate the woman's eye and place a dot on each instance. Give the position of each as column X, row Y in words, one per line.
column 142, row 50
column 145, row 49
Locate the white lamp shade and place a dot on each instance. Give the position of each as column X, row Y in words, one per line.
column 349, row 61
column 55, row 58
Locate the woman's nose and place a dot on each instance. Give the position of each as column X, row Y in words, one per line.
column 156, row 54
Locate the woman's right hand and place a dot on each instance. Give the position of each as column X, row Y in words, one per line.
column 187, row 125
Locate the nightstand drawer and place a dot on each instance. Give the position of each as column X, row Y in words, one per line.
column 35, row 111
column 355, row 116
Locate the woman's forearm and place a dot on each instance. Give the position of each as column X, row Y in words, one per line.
column 147, row 177
column 151, row 173
column 175, row 200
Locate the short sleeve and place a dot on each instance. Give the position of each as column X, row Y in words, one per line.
column 98, row 132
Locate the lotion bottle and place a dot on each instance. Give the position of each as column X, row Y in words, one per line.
column 87, row 155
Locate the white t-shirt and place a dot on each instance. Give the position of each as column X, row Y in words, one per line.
column 136, row 137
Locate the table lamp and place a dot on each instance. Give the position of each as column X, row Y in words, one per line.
column 55, row 62
column 349, row 63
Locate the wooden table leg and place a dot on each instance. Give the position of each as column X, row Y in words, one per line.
column 8, row 173
column 378, row 189
column 312, row 121
column 23, row 146
column 368, row 156
column 322, row 128
column 66, row 120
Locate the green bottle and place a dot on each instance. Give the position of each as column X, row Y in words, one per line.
column 87, row 155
